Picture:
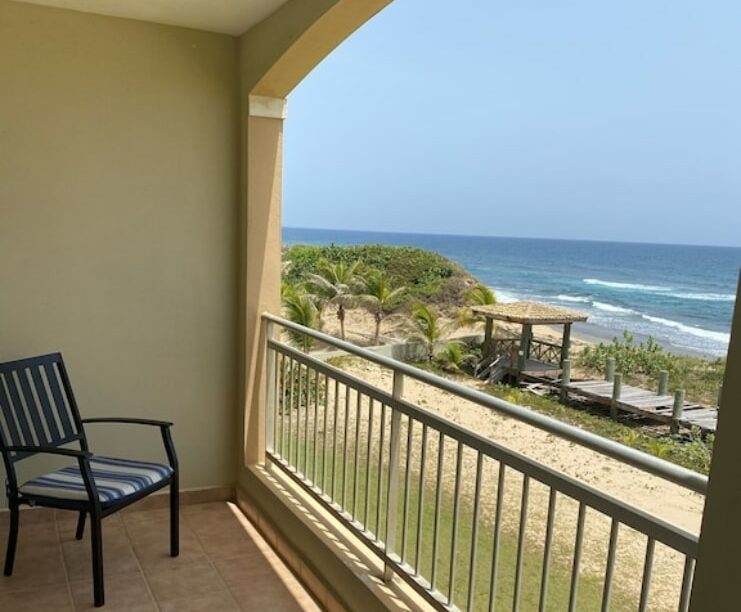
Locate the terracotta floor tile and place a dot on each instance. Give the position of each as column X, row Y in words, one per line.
column 118, row 558
column 240, row 571
column 155, row 555
column 123, row 592
column 228, row 545
column 216, row 549
column 185, row 582
column 219, row 601
column 44, row 569
column 37, row 599
column 67, row 524
column 272, row 595
column 158, row 515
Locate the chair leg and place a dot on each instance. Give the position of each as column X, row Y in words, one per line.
column 174, row 517
column 12, row 538
column 96, row 538
column 80, row 525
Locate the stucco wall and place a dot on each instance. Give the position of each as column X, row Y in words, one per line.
column 119, row 222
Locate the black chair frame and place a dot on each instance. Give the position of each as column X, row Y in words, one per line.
column 43, row 428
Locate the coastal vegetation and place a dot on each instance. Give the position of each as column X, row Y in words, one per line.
column 432, row 297
column 641, row 364
column 427, row 277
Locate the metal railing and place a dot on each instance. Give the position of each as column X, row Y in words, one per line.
column 467, row 522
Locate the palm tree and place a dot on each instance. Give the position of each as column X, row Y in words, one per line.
column 335, row 284
column 378, row 297
column 455, row 355
column 478, row 295
column 427, row 328
column 481, row 295
column 299, row 307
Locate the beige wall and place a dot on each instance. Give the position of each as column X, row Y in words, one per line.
column 119, row 222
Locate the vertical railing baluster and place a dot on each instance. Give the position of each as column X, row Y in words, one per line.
column 271, row 357
column 687, row 575
column 610, row 566
column 474, row 532
column 438, row 504
column 521, row 543
column 547, row 550
column 299, row 395
column 290, row 414
column 316, row 426
column 456, row 510
column 421, row 497
column 356, row 457
column 577, row 557
column 407, row 486
column 392, row 497
column 366, row 519
column 497, row 534
column 647, row 568
column 306, row 422
column 284, row 396
column 324, row 433
column 345, row 426
column 334, row 436
column 379, row 492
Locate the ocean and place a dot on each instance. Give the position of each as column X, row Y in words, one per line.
column 682, row 296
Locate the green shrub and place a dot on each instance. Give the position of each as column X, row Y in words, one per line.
column 428, row 276
column 641, row 364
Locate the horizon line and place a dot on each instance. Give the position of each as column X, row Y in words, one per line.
column 459, row 235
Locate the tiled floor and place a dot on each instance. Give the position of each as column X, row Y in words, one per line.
column 224, row 564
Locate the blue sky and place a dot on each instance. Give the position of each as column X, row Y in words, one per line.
column 537, row 118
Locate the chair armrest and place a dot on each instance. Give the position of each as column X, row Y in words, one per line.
column 164, row 429
column 128, row 420
column 52, row 450
column 83, row 459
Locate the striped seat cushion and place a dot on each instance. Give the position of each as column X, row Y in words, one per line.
column 114, row 478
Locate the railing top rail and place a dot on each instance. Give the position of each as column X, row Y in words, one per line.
column 648, row 463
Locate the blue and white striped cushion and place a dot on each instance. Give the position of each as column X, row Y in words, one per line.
column 114, row 478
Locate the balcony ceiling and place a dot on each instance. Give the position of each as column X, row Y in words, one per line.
column 226, row 16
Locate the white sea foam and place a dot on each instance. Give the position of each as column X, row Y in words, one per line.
column 689, row 329
column 611, row 308
column 706, row 297
column 505, row 298
column 573, row 298
column 631, row 286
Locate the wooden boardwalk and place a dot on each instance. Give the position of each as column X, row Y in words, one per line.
column 645, row 403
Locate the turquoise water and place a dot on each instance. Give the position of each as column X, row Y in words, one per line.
column 683, row 296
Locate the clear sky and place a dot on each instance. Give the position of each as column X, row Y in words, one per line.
column 612, row 120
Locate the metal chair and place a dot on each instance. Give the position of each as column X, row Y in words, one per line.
column 38, row 414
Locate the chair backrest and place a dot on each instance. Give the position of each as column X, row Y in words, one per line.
column 37, row 407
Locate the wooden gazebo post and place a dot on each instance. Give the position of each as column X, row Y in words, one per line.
column 565, row 343
column 525, row 339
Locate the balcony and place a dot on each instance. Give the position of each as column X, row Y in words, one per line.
column 224, row 564
column 460, row 520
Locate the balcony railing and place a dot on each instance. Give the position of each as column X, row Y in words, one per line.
column 466, row 522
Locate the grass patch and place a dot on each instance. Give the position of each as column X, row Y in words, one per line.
column 357, row 477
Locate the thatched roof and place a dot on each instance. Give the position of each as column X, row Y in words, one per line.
column 532, row 313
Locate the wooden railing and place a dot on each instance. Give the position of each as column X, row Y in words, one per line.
column 547, row 352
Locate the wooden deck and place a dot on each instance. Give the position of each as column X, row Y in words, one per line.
column 646, row 404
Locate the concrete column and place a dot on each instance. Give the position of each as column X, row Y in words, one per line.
column 718, row 571
column 261, row 256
